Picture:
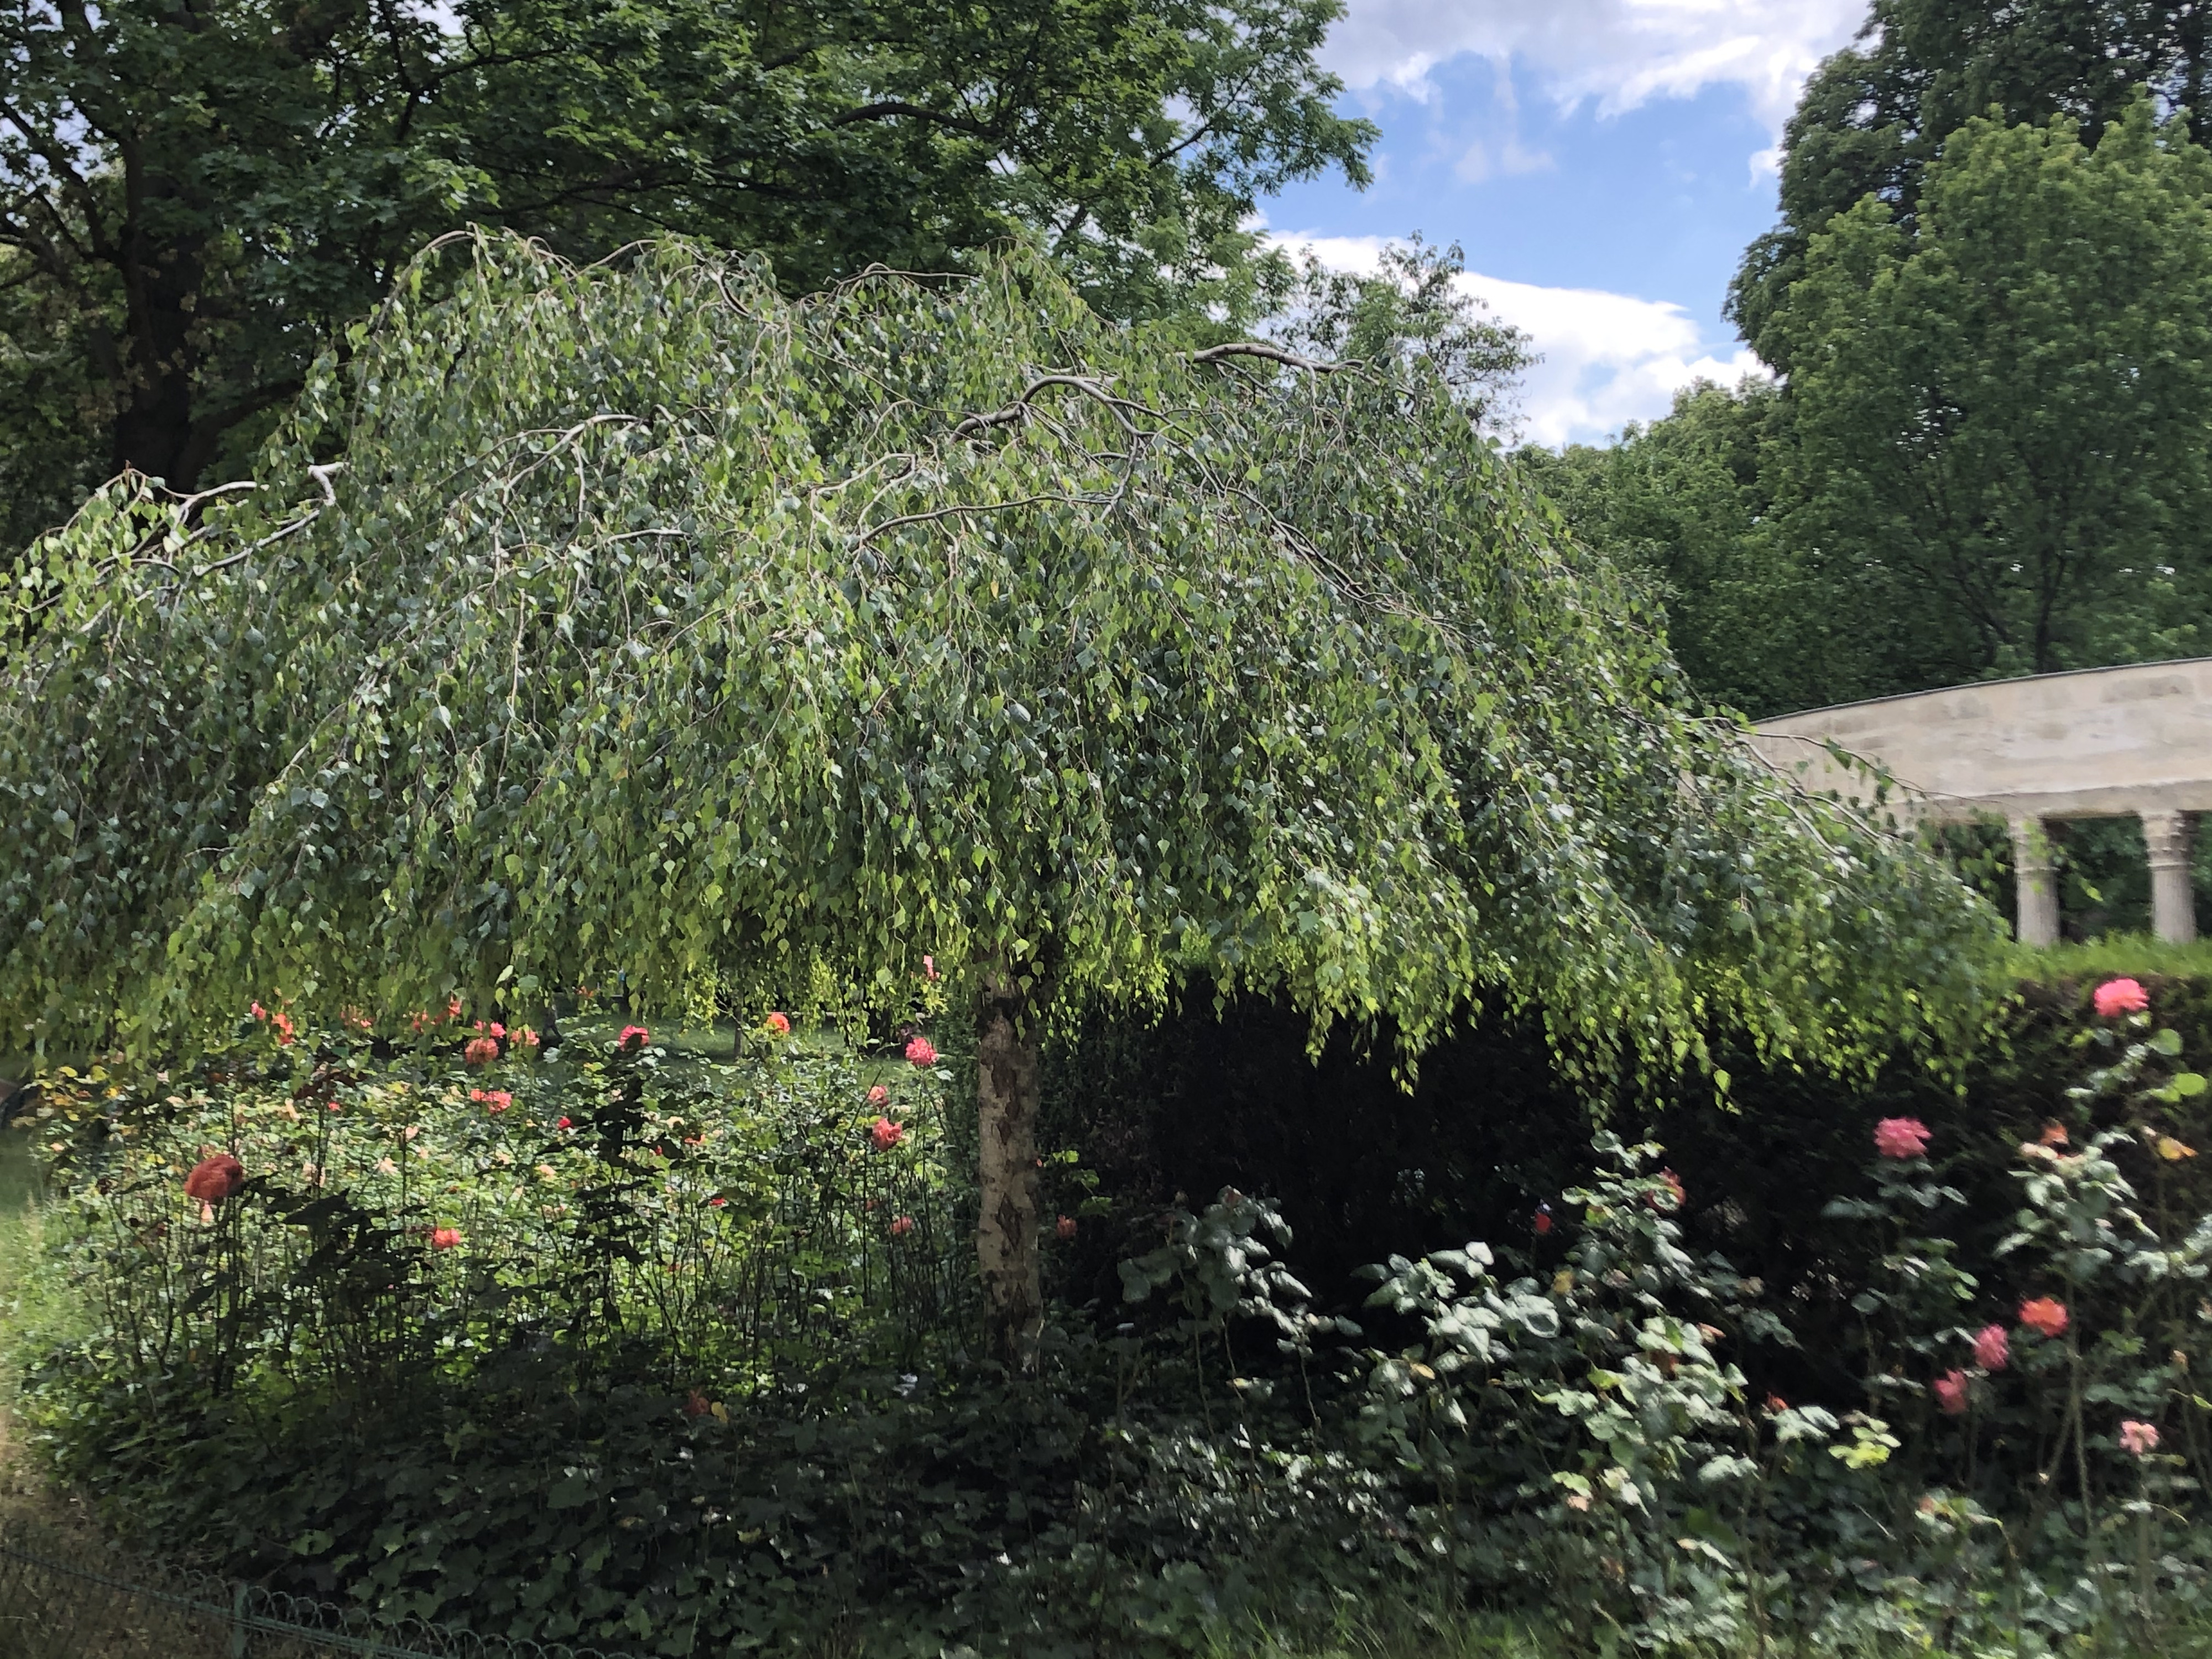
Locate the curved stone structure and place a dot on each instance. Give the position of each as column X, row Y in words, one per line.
column 2099, row 743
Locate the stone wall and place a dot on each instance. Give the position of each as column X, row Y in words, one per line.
column 2101, row 743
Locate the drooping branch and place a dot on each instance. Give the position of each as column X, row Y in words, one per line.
column 1273, row 354
column 1015, row 410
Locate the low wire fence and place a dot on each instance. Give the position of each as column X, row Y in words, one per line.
column 62, row 1599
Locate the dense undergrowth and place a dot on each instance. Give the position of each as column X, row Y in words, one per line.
column 606, row 1341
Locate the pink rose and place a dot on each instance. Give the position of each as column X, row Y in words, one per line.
column 2140, row 1438
column 921, row 1051
column 2120, row 996
column 1992, row 1347
column 885, row 1133
column 1900, row 1137
column 1951, row 1393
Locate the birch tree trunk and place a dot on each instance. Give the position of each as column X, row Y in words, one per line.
column 1006, row 1085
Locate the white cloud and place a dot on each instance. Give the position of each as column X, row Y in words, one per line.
column 1621, row 53
column 1502, row 155
column 1608, row 358
column 1501, row 159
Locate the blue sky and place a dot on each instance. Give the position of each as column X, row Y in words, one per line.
column 1603, row 162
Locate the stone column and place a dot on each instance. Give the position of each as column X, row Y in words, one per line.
column 2037, row 893
column 2168, row 837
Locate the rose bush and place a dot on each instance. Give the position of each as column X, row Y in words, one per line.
column 606, row 1312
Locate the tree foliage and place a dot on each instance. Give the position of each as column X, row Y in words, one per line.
column 1874, row 117
column 665, row 634
column 2009, row 411
column 1410, row 310
column 192, row 197
column 1990, row 455
column 1688, row 501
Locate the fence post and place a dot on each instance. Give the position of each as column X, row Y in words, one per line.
column 238, row 1622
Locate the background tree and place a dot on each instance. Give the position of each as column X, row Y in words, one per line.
column 1876, row 116
column 660, row 632
column 1688, row 501
column 1985, row 454
column 2003, row 418
column 53, row 402
column 192, row 197
column 1411, row 311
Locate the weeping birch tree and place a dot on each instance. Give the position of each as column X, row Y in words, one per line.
column 635, row 624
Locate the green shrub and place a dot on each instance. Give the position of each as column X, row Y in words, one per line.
column 623, row 1345
column 624, row 1348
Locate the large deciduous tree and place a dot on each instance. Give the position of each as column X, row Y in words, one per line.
column 1410, row 309
column 1991, row 454
column 1874, row 117
column 2003, row 441
column 634, row 624
column 194, row 193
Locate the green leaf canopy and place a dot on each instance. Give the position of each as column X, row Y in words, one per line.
column 658, row 631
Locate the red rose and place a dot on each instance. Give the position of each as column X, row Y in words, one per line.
column 214, row 1179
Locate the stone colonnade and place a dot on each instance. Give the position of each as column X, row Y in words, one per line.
column 2168, row 837
column 2131, row 742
